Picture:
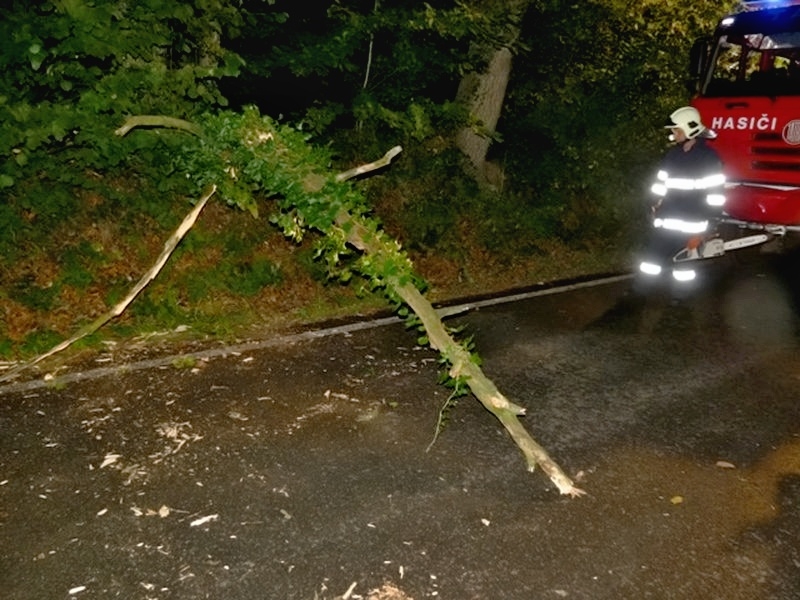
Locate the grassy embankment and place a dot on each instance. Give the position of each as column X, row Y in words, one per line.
column 233, row 277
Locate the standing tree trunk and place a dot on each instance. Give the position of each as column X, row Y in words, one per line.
column 483, row 94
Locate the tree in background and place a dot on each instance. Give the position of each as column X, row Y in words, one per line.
column 371, row 67
column 587, row 96
column 365, row 74
column 572, row 141
column 482, row 92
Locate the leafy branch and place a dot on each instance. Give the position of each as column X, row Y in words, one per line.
column 248, row 154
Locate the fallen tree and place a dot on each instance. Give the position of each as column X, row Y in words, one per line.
column 254, row 155
column 246, row 157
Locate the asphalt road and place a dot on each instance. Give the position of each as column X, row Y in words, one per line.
column 302, row 467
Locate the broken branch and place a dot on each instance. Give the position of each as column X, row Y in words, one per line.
column 377, row 164
column 169, row 247
column 508, row 413
column 156, row 121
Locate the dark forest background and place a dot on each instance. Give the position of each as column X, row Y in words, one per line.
column 558, row 192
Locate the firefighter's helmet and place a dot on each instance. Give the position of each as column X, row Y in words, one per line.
column 686, row 118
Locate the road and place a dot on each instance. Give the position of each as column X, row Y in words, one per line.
column 303, row 467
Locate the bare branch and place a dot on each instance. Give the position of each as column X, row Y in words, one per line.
column 381, row 162
column 157, row 121
column 169, row 247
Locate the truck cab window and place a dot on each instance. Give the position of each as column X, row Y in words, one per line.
column 756, row 65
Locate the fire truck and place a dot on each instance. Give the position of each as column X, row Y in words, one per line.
column 748, row 93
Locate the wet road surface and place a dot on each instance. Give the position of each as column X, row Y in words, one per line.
column 298, row 469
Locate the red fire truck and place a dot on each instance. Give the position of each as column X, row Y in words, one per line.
column 749, row 94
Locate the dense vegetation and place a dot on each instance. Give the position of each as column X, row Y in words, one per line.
column 83, row 210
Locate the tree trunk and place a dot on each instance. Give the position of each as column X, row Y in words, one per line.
column 483, row 94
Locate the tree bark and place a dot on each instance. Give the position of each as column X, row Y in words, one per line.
column 483, row 94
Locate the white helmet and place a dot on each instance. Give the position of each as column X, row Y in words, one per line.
column 687, row 119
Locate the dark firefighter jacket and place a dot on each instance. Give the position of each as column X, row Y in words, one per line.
column 689, row 186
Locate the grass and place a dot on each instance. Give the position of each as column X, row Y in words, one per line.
column 233, row 277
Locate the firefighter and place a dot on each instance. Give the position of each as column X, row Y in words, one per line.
column 688, row 193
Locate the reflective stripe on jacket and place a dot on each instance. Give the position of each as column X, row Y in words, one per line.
column 690, row 182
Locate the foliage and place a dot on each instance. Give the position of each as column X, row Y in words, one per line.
column 353, row 78
column 71, row 69
column 359, row 73
column 334, row 55
column 245, row 155
column 586, row 75
column 581, row 125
